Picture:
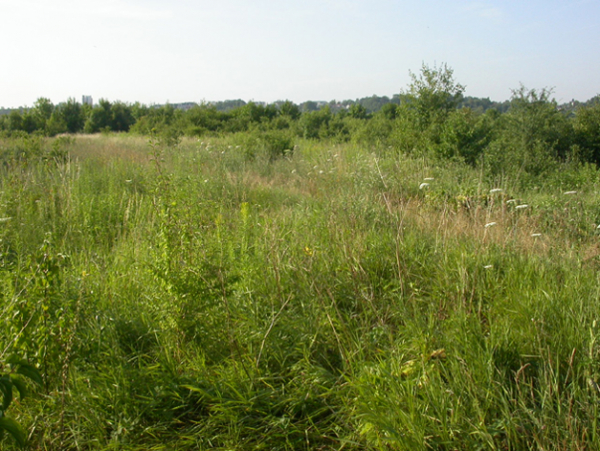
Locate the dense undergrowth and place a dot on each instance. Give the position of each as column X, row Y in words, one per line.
column 209, row 295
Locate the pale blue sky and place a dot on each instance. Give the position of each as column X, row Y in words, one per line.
column 265, row 50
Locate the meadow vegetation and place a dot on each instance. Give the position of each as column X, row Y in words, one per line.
column 428, row 281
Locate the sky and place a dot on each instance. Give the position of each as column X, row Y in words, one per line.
column 155, row 52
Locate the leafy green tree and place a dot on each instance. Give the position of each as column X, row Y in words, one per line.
column 159, row 120
column 315, row 123
column 121, row 117
column 357, row 111
column 30, row 124
column 389, row 111
column 531, row 137
column 15, row 121
column 374, row 103
column 433, row 94
column 202, row 119
column 100, row 117
column 290, row 109
column 587, row 132
column 56, row 124
column 465, row 134
column 309, row 106
column 73, row 115
column 534, row 119
column 42, row 111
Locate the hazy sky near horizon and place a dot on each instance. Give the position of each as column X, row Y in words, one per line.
column 155, row 51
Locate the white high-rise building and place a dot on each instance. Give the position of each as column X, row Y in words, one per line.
column 87, row 100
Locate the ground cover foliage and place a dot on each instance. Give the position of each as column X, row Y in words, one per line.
column 264, row 290
column 200, row 296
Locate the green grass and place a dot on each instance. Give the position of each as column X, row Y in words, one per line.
column 205, row 297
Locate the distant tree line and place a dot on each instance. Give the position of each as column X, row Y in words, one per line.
column 529, row 132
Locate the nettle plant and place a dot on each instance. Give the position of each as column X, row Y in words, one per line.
column 13, row 374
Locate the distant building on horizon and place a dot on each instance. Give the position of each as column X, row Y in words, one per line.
column 87, row 100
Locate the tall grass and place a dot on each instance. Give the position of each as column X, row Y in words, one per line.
column 206, row 297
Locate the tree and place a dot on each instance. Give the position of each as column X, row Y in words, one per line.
column 100, row 117
column 41, row 113
column 315, row 124
column 389, row 111
column 72, row 114
column 357, row 111
column 587, row 132
column 433, row 94
column 290, row 109
column 532, row 137
column 121, row 117
column 15, row 121
column 534, row 119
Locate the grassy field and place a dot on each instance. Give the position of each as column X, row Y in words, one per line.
column 337, row 297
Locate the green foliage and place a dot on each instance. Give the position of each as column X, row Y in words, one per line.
column 99, row 118
column 73, row 115
column 357, row 111
column 315, row 124
column 164, row 119
column 290, row 109
column 13, row 373
column 587, row 133
column 434, row 94
column 411, row 279
column 216, row 296
column 21, row 148
column 203, row 119
column 465, row 135
column 41, row 113
column 532, row 137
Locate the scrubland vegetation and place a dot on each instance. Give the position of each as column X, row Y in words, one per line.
column 425, row 278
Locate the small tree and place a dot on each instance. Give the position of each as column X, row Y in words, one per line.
column 100, row 117
column 290, row 109
column 42, row 110
column 587, row 132
column 433, row 94
column 72, row 114
column 357, row 111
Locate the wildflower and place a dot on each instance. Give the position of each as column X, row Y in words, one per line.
column 495, row 190
column 320, row 172
column 490, row 224
column 308, row 251
column 488, row 266
column 568, row 193
column 428, row 179
column 423, row 185
column 536, row 235
column 522, row 207
column 128, row 181
column 511, row 201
